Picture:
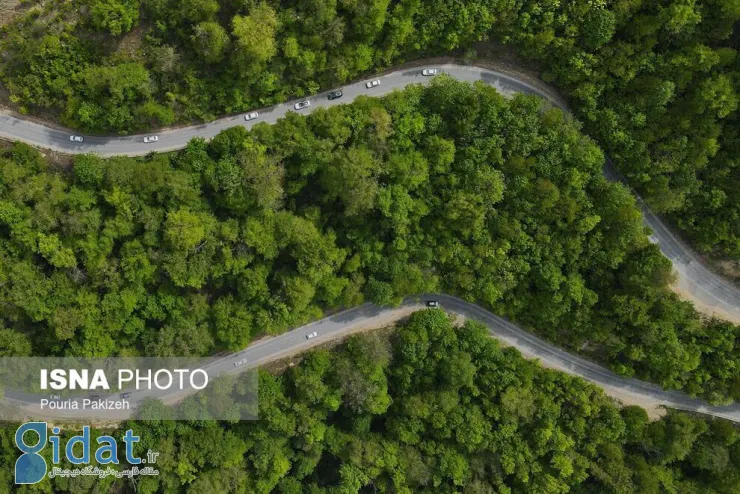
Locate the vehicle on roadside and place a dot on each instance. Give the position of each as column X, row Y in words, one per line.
column 149, row 139
column 372, row 84
column 251, row 116
column 312, row 335
column 302, row 104
column 55, row 397
column 430, row 72
column 76, row 138
column 125, row 395
column 432, row 303
column 240, row 362
column 335, row 94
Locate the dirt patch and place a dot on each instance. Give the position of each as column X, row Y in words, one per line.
column 702, row 308
column 130, row 44
column 728, row 268
column 9, row 10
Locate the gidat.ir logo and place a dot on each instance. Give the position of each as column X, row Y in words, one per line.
column 31, row 438
column 30, row 467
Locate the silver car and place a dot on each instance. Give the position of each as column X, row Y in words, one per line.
column 76, row 138
column 372, row 84
column 430, row 72
column 251, row 116
column 149, row 139
column 302, row 104
column 240, row 362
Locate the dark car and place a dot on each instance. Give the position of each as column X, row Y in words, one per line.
column 125, row 395
column 335, row 94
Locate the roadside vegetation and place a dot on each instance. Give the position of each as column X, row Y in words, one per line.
column 449, row 187
column 654, row 82
column 428, row 408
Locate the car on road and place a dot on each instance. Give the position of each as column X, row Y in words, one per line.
column 430, row 72
column 55, row 397
column 240, row 362
column 251, row 116
column 335, row 94
column 125, row 395
column 149, row 139
column 432, row 303
column 302, row 104
column 372, row 84
column 312, row 335
column 76, row 138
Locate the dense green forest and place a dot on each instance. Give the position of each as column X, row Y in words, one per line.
column 449, row 187
column 428, row 408
column 655, row 82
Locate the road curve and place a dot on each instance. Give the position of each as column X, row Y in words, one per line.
column 710, row 292
column 370, row 316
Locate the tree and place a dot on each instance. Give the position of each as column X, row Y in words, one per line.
column 210, row 41
column 256, row 34
column 115, row 16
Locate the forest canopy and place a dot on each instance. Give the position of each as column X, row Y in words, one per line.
column 654, row 82
column 449, row 187
column 427, row 408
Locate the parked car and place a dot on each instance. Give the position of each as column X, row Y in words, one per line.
column 335, row 94
column 149, row 139
column 302, row 104
column 430, row 72
column 372, row 84
column 240, row 362
column 432, row 303
column 251, row 116
column 76, row 138
column 312, row 335
column 125, row 395
column 55, row 397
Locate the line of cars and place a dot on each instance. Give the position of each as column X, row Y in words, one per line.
column 147, row 139
column 299, row 105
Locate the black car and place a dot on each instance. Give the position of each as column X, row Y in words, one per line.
column 335, row 94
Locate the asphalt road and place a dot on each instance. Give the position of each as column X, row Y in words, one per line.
column 702, row 285
column 369, row 316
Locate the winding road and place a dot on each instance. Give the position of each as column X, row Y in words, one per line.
column 705, row 288
column 370, row 316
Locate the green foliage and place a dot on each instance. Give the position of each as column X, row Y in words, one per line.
column 448, row 187
column 655, row 83
column 210, row 41
column 114, row 16
column 427, row 408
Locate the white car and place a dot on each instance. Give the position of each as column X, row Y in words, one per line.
column 149, row 139
column 432, row 303
column 240, row 362
column 312, row 335
column 372, row 84
column 430, row 72
column 55, row 397
column 251, row 116
column 76, row 138
column 302, row 104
